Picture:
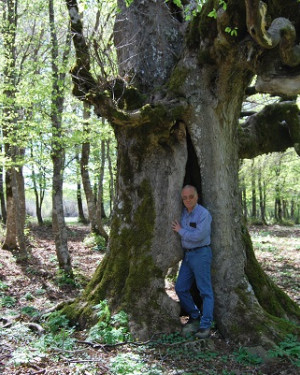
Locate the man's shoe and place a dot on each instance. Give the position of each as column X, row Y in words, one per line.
column 203, row 333
column 191, row 326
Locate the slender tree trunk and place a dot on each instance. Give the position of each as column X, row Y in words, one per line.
column 261, row 198
column 81, row 216
column 2, row 196
column 265, row 197
column 58, row 152
column 278, row 209
column 10, row 241
column 244, row 198
column 293, row 210
column 15, row 195
column 100, row 206
column 16, row 208
column 111, row 178
column 38, row 197
column 19, row 207
column 253, row 186
column 95, row 219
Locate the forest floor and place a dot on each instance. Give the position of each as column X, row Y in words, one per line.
column 28, row 291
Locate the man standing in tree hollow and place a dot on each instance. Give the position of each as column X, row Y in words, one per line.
column 194, row 229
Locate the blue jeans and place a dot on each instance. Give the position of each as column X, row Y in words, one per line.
column 196, row 266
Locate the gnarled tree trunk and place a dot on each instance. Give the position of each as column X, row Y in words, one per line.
column 179, row 125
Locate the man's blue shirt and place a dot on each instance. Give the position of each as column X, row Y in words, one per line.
column 195, row 227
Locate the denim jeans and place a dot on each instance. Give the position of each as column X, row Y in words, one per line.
column 196, row 266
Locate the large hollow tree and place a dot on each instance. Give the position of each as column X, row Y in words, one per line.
column 175, row 113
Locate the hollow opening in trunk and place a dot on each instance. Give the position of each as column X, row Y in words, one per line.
column 192, row 177
column 192, row 169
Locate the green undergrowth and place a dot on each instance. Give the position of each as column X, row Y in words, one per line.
column 159, row 356
column 95, row 242
column 110, row 328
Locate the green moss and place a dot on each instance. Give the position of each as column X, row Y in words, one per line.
column 126, row 170
column 177, row 79
column 257, row 325
column 128, row 269
column 155, row 114
column 202, row 25
column 271, row 298
column 133, row 98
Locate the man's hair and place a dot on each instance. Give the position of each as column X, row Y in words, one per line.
column 190, row 187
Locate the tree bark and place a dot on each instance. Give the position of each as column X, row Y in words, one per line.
column 93, row 210
column 262, row 202
column 58, row 152
column 81, row 216
column 39, row 191
column 10, row 242
column 111, row 178
column 142, row 246
column 100, row 206
column 2, row 195
column 15, row 195
column 253, row 190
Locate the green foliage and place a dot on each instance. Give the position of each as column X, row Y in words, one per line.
column 110, row 329
column 278, row 173
column 29, row 297
column 3, row 286
column 95, row 241
column 62, row 339
column 178, row 3
column 232, row 32
column 189, row 11
column 25, row 355
column 289, row 348
column 55, row 321
column 243, row 356
column 179, row 347
column 25, row 340
column 29, row 348
column 64, row 278
column 132, row 364
column 30, row 311
column 40, row 292
column 169, row 338
column 8, row 301
column 128, row 2
column 213, row 13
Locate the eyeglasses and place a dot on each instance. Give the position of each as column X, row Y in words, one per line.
column 186, row 197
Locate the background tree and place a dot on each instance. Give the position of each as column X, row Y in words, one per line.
column 273, row 180
column 11, row 118
column 58, row 151
column 93, row 210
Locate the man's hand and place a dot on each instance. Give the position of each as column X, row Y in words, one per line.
column 176, row 226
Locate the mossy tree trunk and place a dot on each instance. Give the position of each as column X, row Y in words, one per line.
column 179, row 124
column 142, row 245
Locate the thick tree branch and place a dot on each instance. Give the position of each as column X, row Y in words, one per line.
column 81, row 75
column 115, row 100
column 274, row 129
column 278, row 84
column 281, row 32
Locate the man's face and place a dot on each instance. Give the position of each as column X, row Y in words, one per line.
column 189, row 198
